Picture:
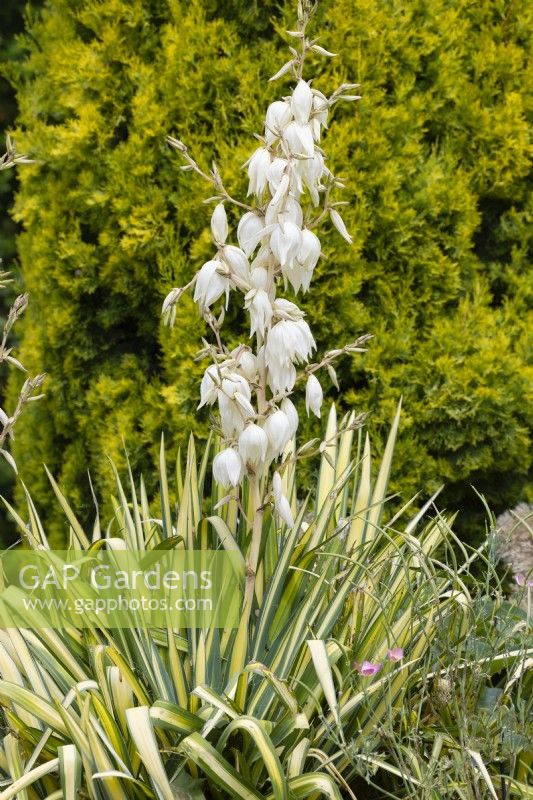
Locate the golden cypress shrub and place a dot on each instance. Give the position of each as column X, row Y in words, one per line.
column 435, row 159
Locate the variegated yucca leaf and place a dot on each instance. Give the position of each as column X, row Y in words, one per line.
column 160, row 714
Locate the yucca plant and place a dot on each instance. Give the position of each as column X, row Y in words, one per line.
column 127, row 713
column 339, row 607
column 132, row 713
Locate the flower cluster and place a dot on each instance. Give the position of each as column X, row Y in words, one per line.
column 368, row 668
column 276, row 247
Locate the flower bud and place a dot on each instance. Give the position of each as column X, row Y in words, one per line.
column 253, row 444
column 228, row 468
column 313, row 395
column 219, row 224
column 338, row 222
column 278, row 116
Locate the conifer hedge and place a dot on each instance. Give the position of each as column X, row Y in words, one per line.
column 436, row 161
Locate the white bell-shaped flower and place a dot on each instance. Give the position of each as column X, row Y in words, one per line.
column 257, row 302
column 233, row 382
column 311, row 171
column 234, row 403
column 219, row 224
column 278, row 116
column 237, row 262
column 210, row 284
column 281, row 504
column 281, row 376
column 228, row 467
column 232, row 416
column 276, row 171
column 249, row 231
column 302, row 102
column 313, row 395
column 258, row 305
column 287, row 342
column 301, row 272
column 258, row 167
column 253, row 444
column 288, row 211
column 310, row 249
column 278, row 430
column 299, row 139
column 209, row 386
column 285, row 242
column 245, row 361
column 289, row 409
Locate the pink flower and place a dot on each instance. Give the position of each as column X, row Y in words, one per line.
column 367, row 668
column 395, row 654
column 521, row 580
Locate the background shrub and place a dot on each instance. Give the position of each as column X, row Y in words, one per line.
column 436, row 161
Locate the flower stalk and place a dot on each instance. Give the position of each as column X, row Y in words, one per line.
column 291, row 188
